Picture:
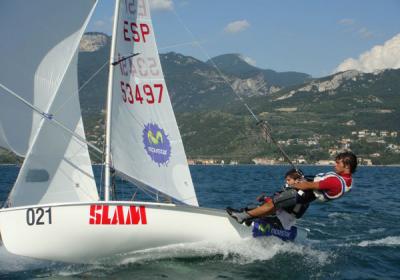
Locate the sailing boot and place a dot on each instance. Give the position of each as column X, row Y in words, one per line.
column 240, row 216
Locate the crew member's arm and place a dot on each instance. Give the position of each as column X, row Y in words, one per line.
column 304, row 185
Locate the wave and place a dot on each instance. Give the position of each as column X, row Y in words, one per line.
column 241, row 252
column 340, row 216
column 376, row 230
column 388, row 241
column 13, row 263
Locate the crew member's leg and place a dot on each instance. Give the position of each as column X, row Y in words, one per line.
column 284, row 199
column 266, row 209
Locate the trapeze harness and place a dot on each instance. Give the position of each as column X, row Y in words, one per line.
column 323, row 195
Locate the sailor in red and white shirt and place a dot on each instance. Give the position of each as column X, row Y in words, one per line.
column 326, row 186
column 333, row 185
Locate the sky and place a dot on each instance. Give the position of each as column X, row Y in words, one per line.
column 315, row 37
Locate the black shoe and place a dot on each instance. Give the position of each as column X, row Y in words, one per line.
column 248, row 222
column 239, row 216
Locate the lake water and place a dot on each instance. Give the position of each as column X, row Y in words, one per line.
column 356, row 237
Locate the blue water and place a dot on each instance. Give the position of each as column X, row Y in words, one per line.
column 356, row 237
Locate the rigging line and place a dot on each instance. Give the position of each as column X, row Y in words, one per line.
column 214, row 65
column 265, row 124
column 146, row 190
column 82, row 146
column 102, row 169
column 49, row 117
column 134, row 195
column 269, row 137
column 81, row 87
column 148, row 193
column 180, row 45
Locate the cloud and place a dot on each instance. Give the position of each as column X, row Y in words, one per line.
column 237, row 26
column 99, row 23
column 365, row 33
column 161, row 4
column 379, row 57
column 346, row 21
column 249, row 60
column 350, row 25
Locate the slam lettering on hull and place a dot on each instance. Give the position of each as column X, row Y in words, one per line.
column 117, row 215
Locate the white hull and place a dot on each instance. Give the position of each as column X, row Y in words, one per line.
column 83, row 232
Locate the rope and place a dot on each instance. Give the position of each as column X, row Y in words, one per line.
column 82, row 86
column 49, row 117
column 264, row 124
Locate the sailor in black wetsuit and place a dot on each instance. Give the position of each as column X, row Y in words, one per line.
column 283, row 208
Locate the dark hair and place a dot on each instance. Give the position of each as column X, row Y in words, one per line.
column 349, row 159
column 294, row 174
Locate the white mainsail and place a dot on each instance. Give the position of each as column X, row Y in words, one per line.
column 57, row 167
column 146, row 145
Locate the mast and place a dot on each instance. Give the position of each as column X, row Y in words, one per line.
column 107, row 162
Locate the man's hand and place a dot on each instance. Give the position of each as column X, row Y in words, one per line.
column 304, row 185
column 261, row 197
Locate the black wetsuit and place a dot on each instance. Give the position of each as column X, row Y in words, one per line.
column 293, row 201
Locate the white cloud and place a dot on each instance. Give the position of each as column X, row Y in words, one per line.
column 346, row 21
column 161, row 4
column 249, row 60
column 365, row 33
column 237, row 26
column 99, row 23
column 379, row 57
column 350, row 25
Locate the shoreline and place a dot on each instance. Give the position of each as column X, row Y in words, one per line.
column 248, row 164
column 323, row 165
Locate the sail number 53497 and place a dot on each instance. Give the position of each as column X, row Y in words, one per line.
column 142, row 94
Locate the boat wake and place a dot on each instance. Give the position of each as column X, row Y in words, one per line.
column 241, row 252
column 388, row 241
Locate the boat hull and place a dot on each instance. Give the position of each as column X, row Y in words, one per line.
column 86, row 232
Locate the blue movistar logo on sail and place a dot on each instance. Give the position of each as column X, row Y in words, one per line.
column 156, row 144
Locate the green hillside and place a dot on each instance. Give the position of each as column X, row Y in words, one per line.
column 312, row 118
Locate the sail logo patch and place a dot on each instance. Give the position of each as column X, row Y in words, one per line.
column 264, row 228
column 156, row 143
column 117, row 215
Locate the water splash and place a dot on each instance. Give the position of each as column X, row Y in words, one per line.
column 376, row 230
column 240, row 252
column 388, row 241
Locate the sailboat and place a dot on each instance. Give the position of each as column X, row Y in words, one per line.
column 54, row 210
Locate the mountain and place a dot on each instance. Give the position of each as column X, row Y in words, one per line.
column 348, row 110
column 311, row 118
column 234, row 64
column 193, row 85
column 369, row 100
column 93, row 71
column 237, row 65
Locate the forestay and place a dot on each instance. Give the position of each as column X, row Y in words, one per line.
column 146, row 145
column 40, row 65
